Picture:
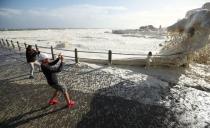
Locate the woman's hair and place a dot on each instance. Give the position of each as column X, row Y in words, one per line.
column 150, row 54
column 29, row 47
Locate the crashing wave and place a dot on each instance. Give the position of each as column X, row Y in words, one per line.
column 61, row 45
column 190, row 33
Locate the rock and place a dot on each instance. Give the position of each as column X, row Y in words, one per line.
column 148, row 28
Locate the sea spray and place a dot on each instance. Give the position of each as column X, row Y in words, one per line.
column 189, row 34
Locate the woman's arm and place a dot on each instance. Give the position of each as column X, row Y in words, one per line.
column 54, row 62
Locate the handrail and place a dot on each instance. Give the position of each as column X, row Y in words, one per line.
column 69, row 56
column 64, row 49
column 93, row 52
column 5, row 43
column 129, row 54
column 46, row 52
column 43, row 47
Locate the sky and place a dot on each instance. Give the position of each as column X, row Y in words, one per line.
column 17, row 14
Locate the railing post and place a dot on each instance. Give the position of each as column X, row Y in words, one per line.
column 25, row 45
column 18, row 46
column 12, row 44
column 76, row 56
column 110, row 57
column 36, row 47
column 3, row 43
column 52, row 52
column 8, row 43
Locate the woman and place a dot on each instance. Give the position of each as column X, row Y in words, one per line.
column 31, row 55
column 50, row 69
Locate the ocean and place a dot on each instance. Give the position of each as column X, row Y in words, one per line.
column 98, row 40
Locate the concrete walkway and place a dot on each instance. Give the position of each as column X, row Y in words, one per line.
column 101, row 99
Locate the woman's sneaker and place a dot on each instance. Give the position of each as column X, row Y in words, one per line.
column 53, row 102
column 71, row 104
column 31, row 77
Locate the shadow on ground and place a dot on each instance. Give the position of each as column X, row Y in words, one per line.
column 111, row 108
column 26, row 106
column 20, row 119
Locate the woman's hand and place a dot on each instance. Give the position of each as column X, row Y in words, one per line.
column 60, row 56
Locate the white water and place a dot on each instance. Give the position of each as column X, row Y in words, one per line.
column 100, row 40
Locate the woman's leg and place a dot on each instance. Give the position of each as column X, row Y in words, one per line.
column 66, row 96
column 31, row 68
column 55, row 94
column 37, row 64
column 70, row 103
column 54, row 100
column 64, row 90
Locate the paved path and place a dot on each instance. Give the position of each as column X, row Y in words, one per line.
column 102, row 99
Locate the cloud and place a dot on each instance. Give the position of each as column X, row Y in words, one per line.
column 78, row 11
column 89, row 16
column 9, row 12
column 68, row 16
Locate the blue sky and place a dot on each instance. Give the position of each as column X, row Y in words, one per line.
column 92, row 13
